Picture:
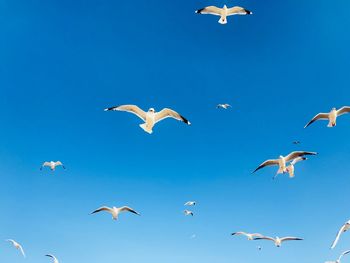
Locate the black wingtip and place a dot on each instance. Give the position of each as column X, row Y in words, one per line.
column 199, row 11
column 248, row 12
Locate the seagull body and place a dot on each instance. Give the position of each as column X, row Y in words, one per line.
column 281, row 162
column 151, row 117
column 331, row 116
column 190, row 203
column 290, row 168
column 340, row 257
column 115, row 211
column 224, row 12
column 188, row 213
column 342, row 230
column 17, row 246
column 55, row 260
column 52, row 165
column 278, row 241
column 223, row 106
column 248, row 235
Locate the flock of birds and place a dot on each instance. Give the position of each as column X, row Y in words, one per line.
column 151, row 118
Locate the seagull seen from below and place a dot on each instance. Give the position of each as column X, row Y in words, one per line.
column 17, row 246
column 282, row 160
column 52, row 165
column 188, row 213
column 278, row 241
column 190, row 203
column 223, row 106
column 151, row 117
column 331, row 116
column 115, row 211
column 340, row 257
column 55, row 260
column 248, row 235
column 223, row 12
column 342, row 230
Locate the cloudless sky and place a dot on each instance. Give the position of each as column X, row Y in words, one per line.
column 62, row 62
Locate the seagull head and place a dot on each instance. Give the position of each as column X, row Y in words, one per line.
column 333, row 109
column 151, row 110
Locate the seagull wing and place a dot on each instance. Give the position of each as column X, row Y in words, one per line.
column 130, row 108
column 320, row 116
column 128, row 209
column 11, row 241
column 103, row 208
column 45, row 164
column 53, row 257
column 343, row 254
column 343, row 110
column 290, row 239
column 264, row 238
column 22, row 251
column 237, row 10
column 294, row 155
column 341, row 230
column 298, row 159
column 266, row 163
column 211, row 10
column 239, row 233
column 168, row 113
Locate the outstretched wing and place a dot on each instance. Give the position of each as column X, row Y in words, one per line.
column 335, row 242
column 343, row 254
column 53, row 257
column 239, row 233
column 130, row 108
column 103, row 208
column 298, row 159
column 169, row 113
column 343, row 110
column 290, row 239
column 128, row 209
column 22, row 251
column 237, row 10
column 266, row 163
column 320, row 116
column 294, row 155
column 211, row 10
column 264, row 238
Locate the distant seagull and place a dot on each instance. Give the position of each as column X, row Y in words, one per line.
column 223, row 106
column 115, row 211
column 278, row 241
column 259, row 247
column 223, row 12
column 342, row 230
column 52, row 165
column 17, row 246
column 55, row 260
column 151, row 117
column 281, row 161
column 190, row 203
column 340, row 257
column 331, row 116
column 290, row 168
column 248, row 235
column 188, row 213
column 296, row 142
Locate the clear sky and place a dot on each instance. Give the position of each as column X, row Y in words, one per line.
column 62, row 62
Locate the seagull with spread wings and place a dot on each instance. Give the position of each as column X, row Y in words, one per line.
column 55, row 260
column 190, row 203
column 248, row 235
column 224, row 12
column 278, row 241
column 52, row 165
column 342, row 230
column 223, row 106
column 115, row 211
column 188, row 213
column 151, row 117
column 331, row 116
column 282, row 160
column 17, row 246
column 340, row 257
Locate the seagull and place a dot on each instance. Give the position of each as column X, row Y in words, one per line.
column 290, row 168
column 338, row 260
column 278, row 241
column 223, row 106
column 151, row 117
column 52, row 165
column 342, row 230
column 248, row 235
column 223, row 12
column 296, row 142
column 188, row 212
column 281, row 161
column 190, row 203
column 115, row 211
column 55, row 260
column 331, row 116
column 17, row 246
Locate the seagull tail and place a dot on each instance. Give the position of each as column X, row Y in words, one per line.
column 144, row 127
column 222, row 20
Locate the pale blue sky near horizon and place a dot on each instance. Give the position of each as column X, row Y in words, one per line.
column 63, row 62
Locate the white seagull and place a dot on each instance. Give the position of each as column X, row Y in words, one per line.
column 224, row 12
column 223, row 106
column 17, row 246
column 342, row 230
column 278, row 241
column 188, row 213
column 55, row 260
column 52, row 165
column 281, row 161
column 248, row 235
column 340, row 257
column 290, row 168
column 115, row 211
column 151, row 117
column 190, row 203
column 331, row 116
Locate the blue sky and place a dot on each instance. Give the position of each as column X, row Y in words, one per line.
column 62, row 62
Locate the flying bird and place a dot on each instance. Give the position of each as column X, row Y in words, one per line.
column 290, row 168
column 296, row 142
column 340, row 257
column 115, row 211
column 52, row 165
column 282, row 160
column 331, row 116
column 17, row 246
column 188, row 213
column 223, row 106
column 223, row 12
column 55, row 260
column 248, row 235
column 278, row 241
column 190, row 203
column 151, row 117
column 342, row 230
